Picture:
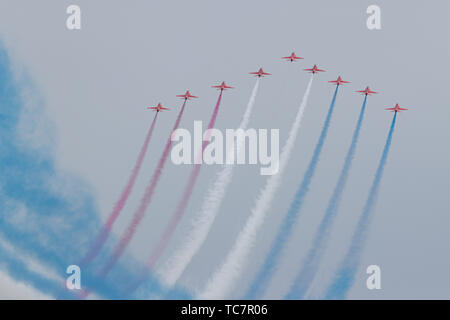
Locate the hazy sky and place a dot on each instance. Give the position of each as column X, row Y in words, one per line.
column 98, row 81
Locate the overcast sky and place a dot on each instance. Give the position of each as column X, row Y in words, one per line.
column 98, row 81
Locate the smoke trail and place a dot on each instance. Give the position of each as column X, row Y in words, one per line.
column 145, row 202
column 46, row 213
column 263, row 277
column 202, row 222
column 176, row 217
column 106, row 230
column 311, row 264
column 22, row 273
column 220, row 283
column 347, row 270
column 186, row 195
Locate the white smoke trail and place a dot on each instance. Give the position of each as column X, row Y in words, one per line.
column 202, row 222
column 222, row 280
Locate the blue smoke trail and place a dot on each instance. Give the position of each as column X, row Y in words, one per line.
column 36, row 216
column 346, row 272
column 53, row 226
column 19, row 271
column 311, row 264
column 265, row 273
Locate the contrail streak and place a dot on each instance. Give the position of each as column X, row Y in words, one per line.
column 314, row 256
column 222, row 280
column 60, row 213
column 106, row 230
column 20, row 271
column 145, row 202
column 187, row 194
column 181, row 207
column 347, row 270
column 268, row 268
column 202, row 222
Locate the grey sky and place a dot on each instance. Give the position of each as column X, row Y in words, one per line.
column 97, row 83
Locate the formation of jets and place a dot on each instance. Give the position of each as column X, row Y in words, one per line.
column 261, row 73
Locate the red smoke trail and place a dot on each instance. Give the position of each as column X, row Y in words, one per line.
column 162, row 244
column 106, row 230
column 145, row 202
column 140, row 212
column 186, row 195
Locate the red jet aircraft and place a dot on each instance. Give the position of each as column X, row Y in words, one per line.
column 260, row 73
column 366, row 91
column 292, row 57
column 314, row 70
column 186, row 96
column 158, row 108
column 339, row 81
column 396, row 108
column 222, row 86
